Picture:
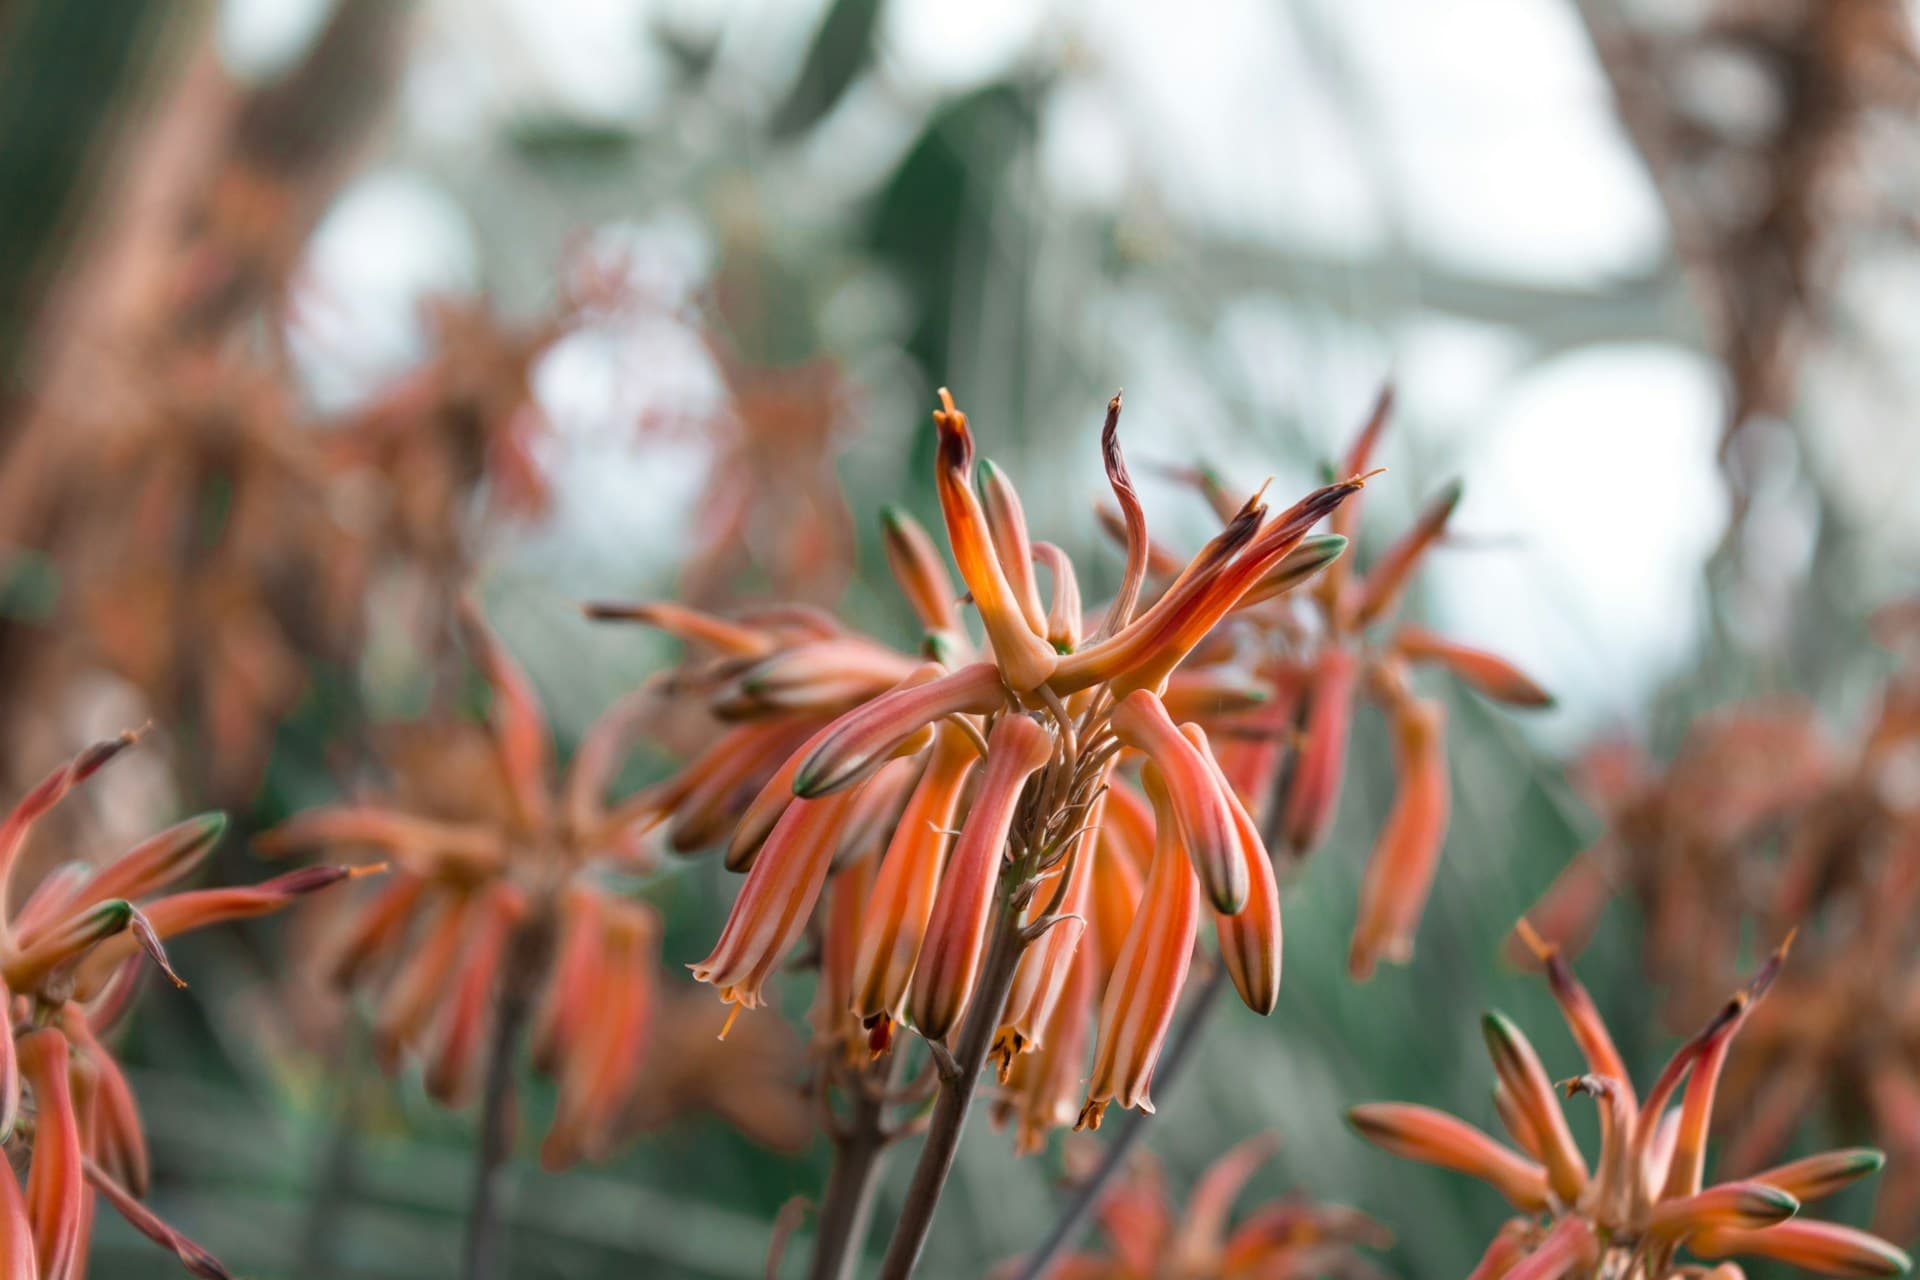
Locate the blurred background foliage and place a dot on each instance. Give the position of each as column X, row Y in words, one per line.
column 1664, row 348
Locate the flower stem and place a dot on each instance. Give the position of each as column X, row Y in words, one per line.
column 846, row 1207
column 956, row 1096
column 1073, row 1219
column 485, row 1247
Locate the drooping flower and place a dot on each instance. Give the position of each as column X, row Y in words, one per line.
column 1000, row 774
column 506, row 891
column 1644, row 1202
column 69, row 955
column 1290, row 1238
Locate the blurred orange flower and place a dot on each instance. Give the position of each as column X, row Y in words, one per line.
column 1292, row 1238
column 506, row 901
column 69, row 956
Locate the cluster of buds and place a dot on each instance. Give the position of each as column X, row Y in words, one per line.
column 1291, row 1238
column 1326, row 649
column 975, row 820
column 69, row 959
column 1643, row 1203
column 1762, row 821
column 505, row 902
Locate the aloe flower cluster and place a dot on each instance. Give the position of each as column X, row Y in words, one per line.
column 1326, row 650
column 1644, row 1203
column 1765, row 820
column 1043, row 802
column 69, row 959
column 506, row 891
column 1292, row 1238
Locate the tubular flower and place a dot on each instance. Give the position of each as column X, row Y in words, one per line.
column 981, row 804
column 1317, row 654
column 1761, row 820
column 1643, row 1204
column 502, row 898
column 1292, row 1238
column 69, row 959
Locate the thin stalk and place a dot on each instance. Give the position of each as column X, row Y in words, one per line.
column 1073, row 1219
column 956, row 1095
column 846, row 1207
column 485, row 1246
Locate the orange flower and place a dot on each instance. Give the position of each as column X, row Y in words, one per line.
column 1061, row 714
column 1323, row 650
column 1293, row 1238
column 501, row 897
column 1762, row 820
column 67, row 961
column 1644, row 1202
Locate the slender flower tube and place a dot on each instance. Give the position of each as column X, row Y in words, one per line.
column 1519, row 1070
column 1046, row 964
column 1315, row 790
column 1737, row 1205
column 1436, row 1138
column 1197, row 793
column 863, row 739
column 1819, row 1176
column 895, row 923
column 1145, row 987
column 1389, row 576
column 57, row 1207
column 849, row 891
column 520, row 736
column 772, row 909
column 919, row 570
column 1400, row 872
column 1484, row 672
column 756, row 822
column 1044, row 1084
column 1296, row 567
column 749, row 758
column 1144, row 655
column 1064, row 614
column 1007, row 526
column 1250, row 939
column 841, row 672
column 956, row 940
column 1825, row 1247
column 1022, row 652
